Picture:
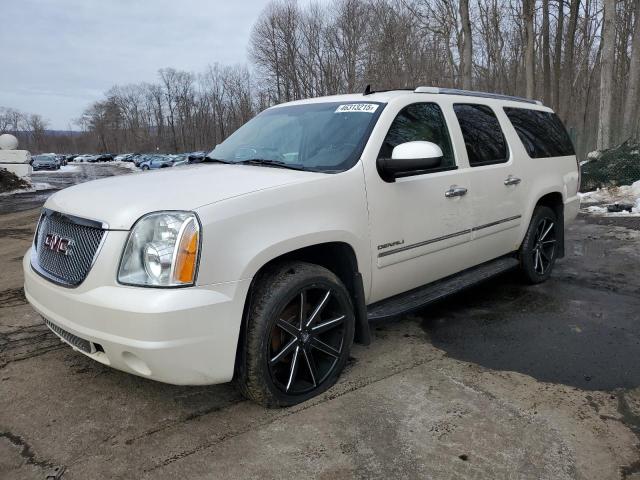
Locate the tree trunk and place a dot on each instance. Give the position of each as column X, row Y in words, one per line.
column 569, row 43
column 466, row 60
column 546, row 63
column 630, row 122
column 557, row 56
column 528, row 7
column 606, row 74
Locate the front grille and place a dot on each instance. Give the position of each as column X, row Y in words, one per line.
column 68, row 337
column 84, row 236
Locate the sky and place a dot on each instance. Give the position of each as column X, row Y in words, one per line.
column 58, row 56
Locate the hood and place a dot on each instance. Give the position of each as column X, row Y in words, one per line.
column 120, row 201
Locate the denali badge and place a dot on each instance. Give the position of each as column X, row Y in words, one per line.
column 58, row 244
column 390, row 244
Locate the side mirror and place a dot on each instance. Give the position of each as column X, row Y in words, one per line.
column 408, row 159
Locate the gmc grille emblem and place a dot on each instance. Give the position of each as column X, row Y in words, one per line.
column 58, row 244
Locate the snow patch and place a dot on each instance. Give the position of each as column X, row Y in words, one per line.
column 604, row 196
column 596, row 209
column 35, row 187
column 593, row 155
column 62, row 169
column 126, row 165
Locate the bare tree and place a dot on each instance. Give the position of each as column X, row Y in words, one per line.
column 606, row 73
column 557, row 55
column 528, row 12
column 546, row 49
column 569, row 48
column 630, row 122
column 466, row 58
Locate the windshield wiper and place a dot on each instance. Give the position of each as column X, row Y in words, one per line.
column 271, row 163
column 209, row 159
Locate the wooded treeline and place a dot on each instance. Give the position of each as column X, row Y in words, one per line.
column 31, row 129
column 581, row 57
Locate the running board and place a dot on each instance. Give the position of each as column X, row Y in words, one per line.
column 421, row 296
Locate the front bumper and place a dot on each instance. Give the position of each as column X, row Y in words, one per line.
column 184, row 336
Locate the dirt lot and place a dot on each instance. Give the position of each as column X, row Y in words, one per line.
column 502, row 381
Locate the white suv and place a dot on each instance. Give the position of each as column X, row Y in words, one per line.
column 266, row 261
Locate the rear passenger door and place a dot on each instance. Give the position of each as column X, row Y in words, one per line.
column 496, row 181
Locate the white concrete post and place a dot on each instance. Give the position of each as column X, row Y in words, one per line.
column 16, row 161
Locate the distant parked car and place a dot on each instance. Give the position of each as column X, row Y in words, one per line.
column 124, row 157
column 156, row 161
column 71, row 157
column 179, row 163
column 179, row 159
column 45, row 162
column 104, row 157
column 141, row 158
column 55, row 157
column 196, row 157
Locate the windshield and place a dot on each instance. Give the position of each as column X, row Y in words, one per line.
column 327, row 137
column 44, row 158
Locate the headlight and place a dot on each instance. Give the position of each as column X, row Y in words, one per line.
column 162, row 251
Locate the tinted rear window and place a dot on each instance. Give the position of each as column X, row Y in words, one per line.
column 542, row 133
column 483, row 137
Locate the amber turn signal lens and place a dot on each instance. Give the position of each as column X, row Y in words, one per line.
column 187, row 255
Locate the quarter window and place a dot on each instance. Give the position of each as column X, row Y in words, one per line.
column 542, row 133
column 483, row 137
column 420, row 122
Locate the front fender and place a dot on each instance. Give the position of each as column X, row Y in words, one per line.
column 242, row 234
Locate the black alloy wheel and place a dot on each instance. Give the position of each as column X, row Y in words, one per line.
column 306, row 340
column 544, row 248
column 539, row 249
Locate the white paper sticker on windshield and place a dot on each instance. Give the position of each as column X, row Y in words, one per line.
column 357, row 107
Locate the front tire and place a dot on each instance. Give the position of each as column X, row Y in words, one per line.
column 299, row 332
column 539, row 249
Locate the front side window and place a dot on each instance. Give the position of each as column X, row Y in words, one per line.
column 483, row 137
column 420, row 122
column 325, row 137
column 542, row 133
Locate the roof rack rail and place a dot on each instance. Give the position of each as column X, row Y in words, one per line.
column 369, row 91
column 470, row 93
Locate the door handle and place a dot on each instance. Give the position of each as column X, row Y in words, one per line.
column 455, row 191
column 511, row 180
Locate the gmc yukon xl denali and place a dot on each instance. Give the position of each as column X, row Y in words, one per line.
column 267, row 261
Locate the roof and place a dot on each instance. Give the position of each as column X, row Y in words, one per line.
column 432, row 93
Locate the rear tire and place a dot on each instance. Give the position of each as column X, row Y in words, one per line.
column 299, row 331
column 539, row 249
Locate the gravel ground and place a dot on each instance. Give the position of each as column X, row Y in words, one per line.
column 501, row 381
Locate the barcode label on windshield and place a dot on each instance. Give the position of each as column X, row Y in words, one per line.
column 357, row 107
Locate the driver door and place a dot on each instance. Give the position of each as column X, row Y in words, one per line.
column 418, row 233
